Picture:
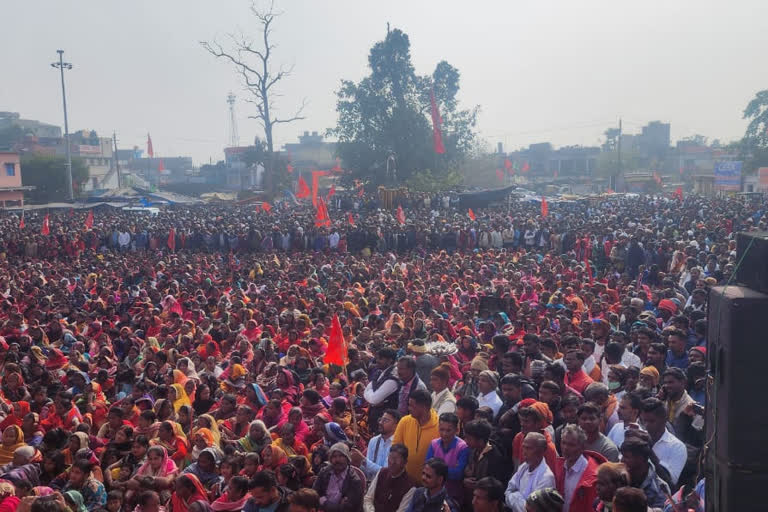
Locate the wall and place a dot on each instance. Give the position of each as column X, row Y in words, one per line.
column 10, row 181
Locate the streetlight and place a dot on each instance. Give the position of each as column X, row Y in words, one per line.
column 62, row 66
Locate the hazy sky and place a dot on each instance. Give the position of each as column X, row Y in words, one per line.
column 541, row 70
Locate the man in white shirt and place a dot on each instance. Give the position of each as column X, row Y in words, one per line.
column 629, row 414
column 487, row 385
column 670, row 450
column 532, row 475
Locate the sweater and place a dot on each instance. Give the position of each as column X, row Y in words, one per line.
column 417, row 438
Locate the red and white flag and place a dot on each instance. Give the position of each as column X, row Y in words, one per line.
column 437, row 122
column 471, row 214
column 266, row 207
column 400, row 215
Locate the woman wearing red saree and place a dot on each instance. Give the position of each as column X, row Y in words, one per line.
column 18, row 411
column 172, row 438
column 188, row 490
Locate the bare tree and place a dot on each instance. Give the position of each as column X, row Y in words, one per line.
column 251, row 59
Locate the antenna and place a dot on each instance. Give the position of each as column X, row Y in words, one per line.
column 233, row 136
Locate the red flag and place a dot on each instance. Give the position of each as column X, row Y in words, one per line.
column 508, row 164
column 266, row 207
column 172, row 240
column 331, row 192
column 150, row 149
column 589, row 271
column 289, row 168
column 303, row 190
column 89, row 220
column 526, row 167
column 315, row 184
column 544, row 207
column 360, row 190
column 437, row 121
column 657, row 178
column 160, row 166
column 321, row 217
column 46, row 229
column 336, row 353
column 350, row 219
column 678, row 193
column 21, row 221
column 400, row 215
column 500, row 175
column 471, row 214
column 337, row 167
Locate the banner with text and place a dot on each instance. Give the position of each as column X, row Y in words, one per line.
column 728, row 176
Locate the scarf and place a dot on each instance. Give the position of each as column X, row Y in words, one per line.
column 180, row 505
column 224, row 504
column 6, row 452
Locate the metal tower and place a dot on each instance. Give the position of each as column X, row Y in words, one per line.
column 233, row 136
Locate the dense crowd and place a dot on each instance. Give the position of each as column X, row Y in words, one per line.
column 507, row 361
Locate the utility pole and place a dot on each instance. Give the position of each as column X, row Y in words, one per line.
column 618, row 156
column 117, row 161
column 61, row 65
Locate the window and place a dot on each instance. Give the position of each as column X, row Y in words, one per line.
column 10, row 169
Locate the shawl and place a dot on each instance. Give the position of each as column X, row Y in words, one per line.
column 13, row 419
column 181, row 396
column 224, row 504
column 6, row 452
column 167, row 467
column 214, row 428
column 76, row 498
column 278, row 457
column 180, row 505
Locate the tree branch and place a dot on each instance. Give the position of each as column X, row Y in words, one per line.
column 296, row 117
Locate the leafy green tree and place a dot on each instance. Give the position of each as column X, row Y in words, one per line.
column 48, row 174
column 384, row 120
column 754, row 146
column 10, row 135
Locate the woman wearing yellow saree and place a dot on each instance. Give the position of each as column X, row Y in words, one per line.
column 13, row 438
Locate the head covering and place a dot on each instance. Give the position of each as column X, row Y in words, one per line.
column 167, row 467
column 181, row 397
column 545, row 500
column 334, row 431
column 76, row 498
column 6, row 452
column 668, row 305
column 652, row 372
column 492, row 376
column 341, row 448
column 546, row 414
column 479, row 363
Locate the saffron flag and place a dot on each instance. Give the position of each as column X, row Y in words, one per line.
column 678, row 194
column 337, row 167
column 289, row 168
column 350, row 219
column 150, row 149
column 303, row 189
column 89, row 220
column 500, row 175
column 400, row 215
column 544, row 207
column 508, row 164
column 321, row 217
column 160, row 166
column 315, row 184
column 172, row 240
column 21, row 221
column 46, row 229
column 336, row 353
column 526, row 167
column 471, row 214
column 331, row 192
column 266, row 207
column 437, row 121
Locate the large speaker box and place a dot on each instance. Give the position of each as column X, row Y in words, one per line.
column 737, row 410
column 753, row 271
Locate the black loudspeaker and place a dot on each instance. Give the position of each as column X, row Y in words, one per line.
column 753, row 271
column 737, row 409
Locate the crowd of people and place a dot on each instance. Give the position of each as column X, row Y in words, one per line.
column 495, row 360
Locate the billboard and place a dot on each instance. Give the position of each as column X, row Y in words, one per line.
column 762, row 176
column 88, row 150
column 728, row 175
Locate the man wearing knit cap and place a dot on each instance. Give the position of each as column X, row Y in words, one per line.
column 339, row 485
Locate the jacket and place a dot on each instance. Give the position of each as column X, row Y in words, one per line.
column 282, row 504
column 352, row 490
column 417, row 438
column 585, row 493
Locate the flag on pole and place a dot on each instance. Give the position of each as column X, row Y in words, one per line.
column 303, row 190
column 160, row 166
column 678, row 194
column 656, row 178
column 316, row 183
column 150, row 149
column 350, row 219
column 21, row 220
column 321, row 216
column 544, row 207
column 471, row 214
column 526, row 167
column 289, row 168
column 266, row 207
column 437, row 121
column 46, row 229
column 400, row 215
column 172, row 240
column 508, row 165
column 89, row 220
column 500, row 175
column 336, row 353
column 331, row 192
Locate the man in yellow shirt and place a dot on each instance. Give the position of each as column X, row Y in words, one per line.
column 416, row 431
